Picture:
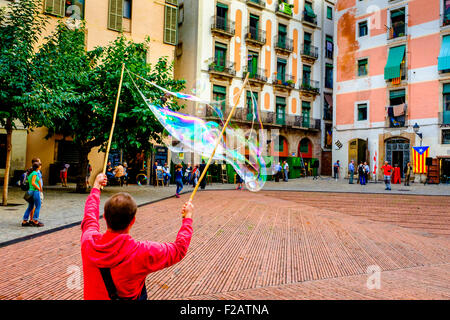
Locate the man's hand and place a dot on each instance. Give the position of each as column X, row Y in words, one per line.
column 188, row 210
column 100, row 181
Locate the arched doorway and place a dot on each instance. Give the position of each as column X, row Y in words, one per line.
column 397, row 152
column 282, row 149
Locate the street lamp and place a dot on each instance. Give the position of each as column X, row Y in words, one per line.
column 416, row 129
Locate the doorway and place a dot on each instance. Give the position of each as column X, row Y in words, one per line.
column 398, row 152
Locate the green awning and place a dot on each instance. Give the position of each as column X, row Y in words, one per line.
column 444, row 54
column 395, row 58
column 309, row 10
column 397, row 13
column 396, row 94
column 221, row 5
column 446, row 88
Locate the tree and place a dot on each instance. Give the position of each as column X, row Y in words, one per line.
column 82, row 85
column 21, row 24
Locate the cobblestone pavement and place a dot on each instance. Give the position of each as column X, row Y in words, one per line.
column 62, row 206
column 266, row 245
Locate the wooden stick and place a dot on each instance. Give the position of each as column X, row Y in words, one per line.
column 114, row 120
column 219, row 138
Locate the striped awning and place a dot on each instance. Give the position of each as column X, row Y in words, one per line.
column 395, row 58
column 444, row 54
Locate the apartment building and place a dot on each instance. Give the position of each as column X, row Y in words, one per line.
column 282, row 45
column 392, row 81
column 105, row 20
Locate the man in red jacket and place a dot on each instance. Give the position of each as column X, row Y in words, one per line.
column 114, row 264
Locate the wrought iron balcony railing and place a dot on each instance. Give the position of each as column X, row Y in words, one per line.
column 285, row 80
column 309, row 19
column 257, row 74
column 257, row 3
column 310, row 86
column 397, row 30
column 226, row 67
column 284, row 43
column 222, row 25
column 309, row 51
column 255, row 35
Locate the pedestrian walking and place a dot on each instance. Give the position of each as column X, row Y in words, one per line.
column 195, row 176
column 202, row 168
column 336, row 168
column 33, row 197
column 115, row 265
column 361, row 174
column 119, row 174
column 407, row 172
column 166, row 174
column 286, row 171
column 366, row 173
column 351, row 171
column 41, row 183
column 188, row 174
column 387, row 171
column 63, row 174
column 179, row 179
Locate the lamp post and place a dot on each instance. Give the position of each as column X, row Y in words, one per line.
column 416, row 129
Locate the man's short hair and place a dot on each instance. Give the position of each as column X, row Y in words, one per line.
column 120, row 209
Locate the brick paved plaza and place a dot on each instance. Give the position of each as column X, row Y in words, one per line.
column 266, row 245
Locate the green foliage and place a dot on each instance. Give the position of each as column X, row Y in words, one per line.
column 82, row 85
column 21, row 24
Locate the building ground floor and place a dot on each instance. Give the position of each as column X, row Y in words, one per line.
column 376, row 145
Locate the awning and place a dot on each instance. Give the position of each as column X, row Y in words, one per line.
column 397, row 13
column 397, row 94
column 329, row 99
column 309, row 10
column 444, row 54
column 395, row 58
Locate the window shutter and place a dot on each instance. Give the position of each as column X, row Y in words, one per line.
column 115, row 15
column 170, row 25
column 172, row 2
column 55, row 7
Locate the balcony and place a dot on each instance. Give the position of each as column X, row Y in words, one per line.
column 222, row 27
column 397, row 118
column 309, row 20
column 255, row 36
column 300, row 122
column 309, row 53
column 257, row 3
column 257, row 75
column 285, row 81
column 283, row 44
column 397, row 31
column 445, row 19
column 309, row 87
column 221, row 68
column 284, row 9
column 397, row 81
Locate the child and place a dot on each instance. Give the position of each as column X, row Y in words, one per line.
column 114, row 264
column 179, row 179
column 239, row 181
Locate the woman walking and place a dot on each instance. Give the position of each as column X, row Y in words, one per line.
column 179, row 179
column 35, row 201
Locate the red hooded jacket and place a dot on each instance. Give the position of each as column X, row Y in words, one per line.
column 130, row 261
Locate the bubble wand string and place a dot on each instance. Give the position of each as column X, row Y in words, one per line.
column 219, row 139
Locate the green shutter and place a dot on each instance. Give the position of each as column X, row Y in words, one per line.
column 309, row 10
column 172, row 2
column 221, row 5
column 55, row 7
column 219, row 90
column 446, row 88
column 115, row 15
column 444, row 54
column 397, row 13
column 281, row 100
column 329, row 13
column 395, row 58
column 307, row 37
column 329, row 39
column 306, row 105
column 396, row 94
column 170, row 25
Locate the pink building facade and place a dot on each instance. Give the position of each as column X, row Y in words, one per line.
column 392, row 72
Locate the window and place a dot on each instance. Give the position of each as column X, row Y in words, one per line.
column 281, row 110
column 328, row 76
column 252, row 104
column 362, row 67
column 306, row 112
column 363, row 29
column 115, row 15
column 170, row 24
column 220, row 54
column 362, row 112
column 253, row 58
column 330, row 13
column 281, row 70
column 282, row 33
column 55, row 7
column 304, row 145
column 397, row 108
column 75, row 9
column 446, row 106
column 220, row 94
column 446, row 18
column 445, row 136
column 2, row 151
column 127, row 9
column 254, row 26
column 306, row 74
column 398, row 25
column 329, row 47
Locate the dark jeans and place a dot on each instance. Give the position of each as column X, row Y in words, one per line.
column 407, row 177
column 179, row 184
column 36, row 202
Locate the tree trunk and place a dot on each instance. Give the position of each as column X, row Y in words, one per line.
column 82, row 170
column 8, row 160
